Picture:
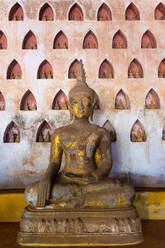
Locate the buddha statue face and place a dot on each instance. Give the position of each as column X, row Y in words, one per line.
column 81, row 105
column 81, row 97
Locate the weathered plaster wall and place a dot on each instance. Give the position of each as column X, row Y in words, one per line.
column 141, row 163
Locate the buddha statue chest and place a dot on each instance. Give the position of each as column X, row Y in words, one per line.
column 78, row 162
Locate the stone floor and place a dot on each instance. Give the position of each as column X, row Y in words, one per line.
column 154, row 235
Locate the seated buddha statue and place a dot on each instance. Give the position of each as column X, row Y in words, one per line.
column 79, row 205
column 84, row 182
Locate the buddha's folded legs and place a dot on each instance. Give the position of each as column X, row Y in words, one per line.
column 108, row 194
column 60, row 194
column 104, row 194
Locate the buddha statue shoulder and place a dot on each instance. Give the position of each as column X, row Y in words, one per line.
column 88, row 161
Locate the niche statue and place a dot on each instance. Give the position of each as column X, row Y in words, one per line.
column 80, row 205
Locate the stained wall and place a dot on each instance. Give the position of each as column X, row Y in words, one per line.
column 139, row 160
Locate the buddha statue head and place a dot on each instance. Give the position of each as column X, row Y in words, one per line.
column 81, row 97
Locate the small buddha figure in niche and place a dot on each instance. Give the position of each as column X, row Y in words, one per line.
column 61, row 41
column 76, row 13
column 47, row 137
column 29, row 105
column 49, row 75
column 46, row 75
column 43, row 76
column 13, row 135
column 15, row 75
column 132, row 13
column 138, row 133
column 148, row 40
column 161, row 74
column 73, row 72
column 106, row 70
column 90, row 41
column 28, row 102
column 152, row 100
column 119, row 104
column 88, row 161
column 44, row 135
column 161, row 69
column 119, row 41
column 160, row 12
column 60, row 103
column 12, row 76
column 46, row 13
column 76, row 17
column 139, row 136
column 61, row 44
column 150, row 103
column 104, row 74
column 18, row 18
column 134, row 74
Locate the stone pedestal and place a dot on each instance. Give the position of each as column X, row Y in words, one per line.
column 79, row 227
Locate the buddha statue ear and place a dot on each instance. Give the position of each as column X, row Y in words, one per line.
column 71, row 114
column 92, row 113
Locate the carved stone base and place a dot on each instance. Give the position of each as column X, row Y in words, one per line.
column 83, row 227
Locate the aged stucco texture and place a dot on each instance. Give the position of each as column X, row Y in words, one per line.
column 141, row 163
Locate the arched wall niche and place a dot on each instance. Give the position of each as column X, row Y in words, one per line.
column 44, row 132
column 90, row 41
column 161, row 69
column 12, row 133
column 137, row 132
column 104, row 13
column 28, row 102
column 119, row 40
column 45, row 70
column 30, row 41
column 73, row 69
column 132, row 13
column 122, row 100
column 160, row 12
column 46, row 13
column 106, row 70
column 60, row 101
column 75, row 13
column 3, row 41
column 14, row 70
column 148, row 40
column 152, row 100
column 135, row 69
column 2, row 102
column 60, row 41
column 16, row 13
column 107, row 125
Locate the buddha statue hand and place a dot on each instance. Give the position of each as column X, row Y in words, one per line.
column 44, row 186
